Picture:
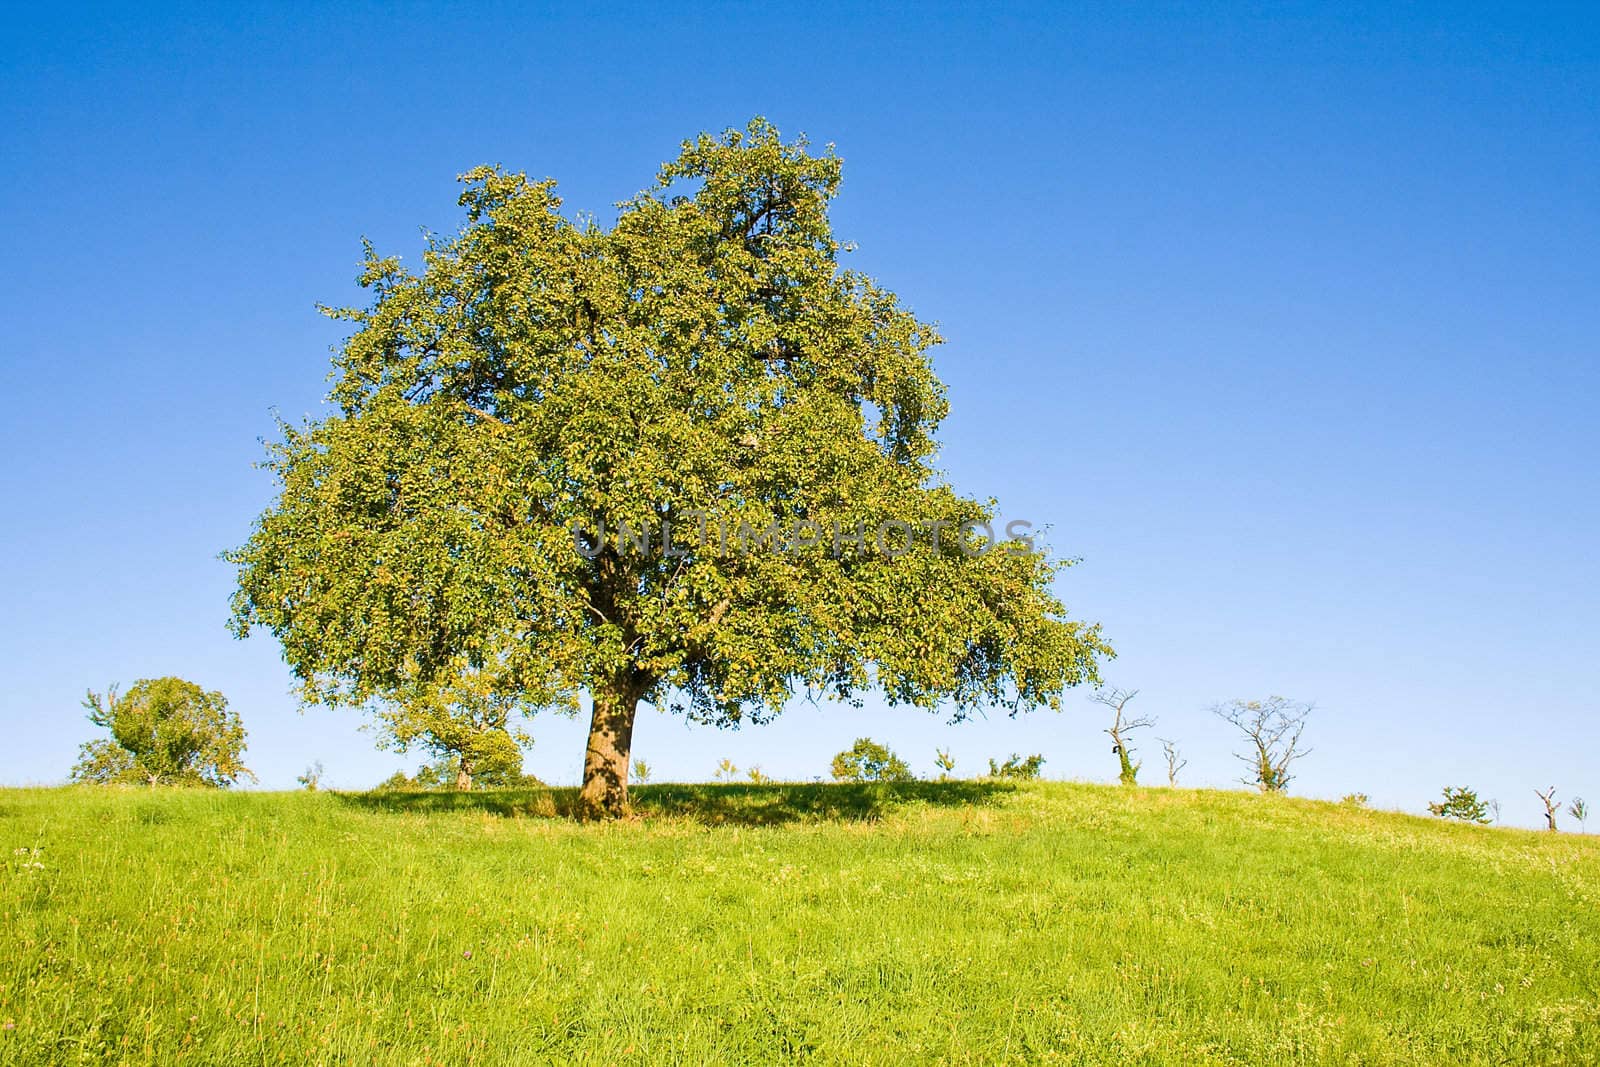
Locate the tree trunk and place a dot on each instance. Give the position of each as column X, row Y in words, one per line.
column 1130, row 773
column 463, row 775
column 605, row 765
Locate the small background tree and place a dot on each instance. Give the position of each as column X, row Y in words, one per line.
column 1273, row 727
column 868, row 761
column 1017, row 768
column 471, row 726
column 1122, row 727
column 1461, row 803
column 164, row 731
column 1551, row 805
column 500, row 769
column 444, row 773
column 311, row 780
column 1175, row 762
column 1580, row 811
column 641, row 771
column 945, row 762
column 726, row 771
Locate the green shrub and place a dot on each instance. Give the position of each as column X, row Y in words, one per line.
column 1017, row 768
column 1461, row 803
column 868, row 761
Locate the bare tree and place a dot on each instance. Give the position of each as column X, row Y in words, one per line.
column 1122, row 724
column 1551, row 805
column 1175, row 763
column 1274, row 726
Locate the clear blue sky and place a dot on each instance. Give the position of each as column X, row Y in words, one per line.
column 1285, row 318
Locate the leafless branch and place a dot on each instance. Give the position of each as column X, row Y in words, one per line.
column 1175, row 762
column 1551, row 805
column 1274, row 727
column 1122, row 725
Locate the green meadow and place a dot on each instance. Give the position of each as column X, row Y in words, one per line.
column 961, row 922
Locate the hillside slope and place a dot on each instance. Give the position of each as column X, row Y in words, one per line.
column 960, row 922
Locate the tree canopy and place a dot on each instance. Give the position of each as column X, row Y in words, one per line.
column 686, row 460
column 164, row 731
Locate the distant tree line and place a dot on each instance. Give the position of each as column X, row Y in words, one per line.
column 171, row 732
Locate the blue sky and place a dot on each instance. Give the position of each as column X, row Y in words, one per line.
column 1285, row 319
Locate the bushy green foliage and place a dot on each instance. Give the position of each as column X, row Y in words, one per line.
column 1017, row 768
column 1461, row 803
column 164, row 731
column 465, row 722
column 868, row 761
column 707, row 359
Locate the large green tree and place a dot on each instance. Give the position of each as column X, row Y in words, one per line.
column 164, row 731
column 704, row 364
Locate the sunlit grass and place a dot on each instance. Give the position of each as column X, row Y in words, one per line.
column 728, row 924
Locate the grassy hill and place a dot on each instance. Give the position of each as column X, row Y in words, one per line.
column 964, row 922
